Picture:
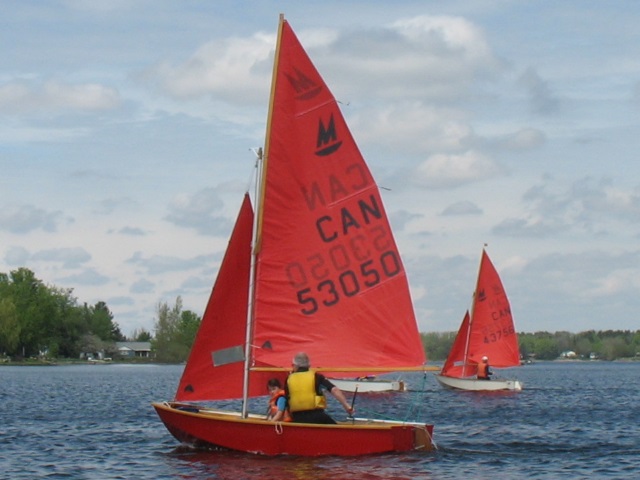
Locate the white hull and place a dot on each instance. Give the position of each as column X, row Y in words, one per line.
column 475, row 385
column 368, row 386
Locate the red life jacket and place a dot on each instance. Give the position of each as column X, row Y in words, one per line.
column 483, row 371
column 273, row 406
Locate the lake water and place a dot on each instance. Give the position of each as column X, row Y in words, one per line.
column 572, row 420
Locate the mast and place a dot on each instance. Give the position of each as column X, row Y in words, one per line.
column 261, row 171
column 267, row 140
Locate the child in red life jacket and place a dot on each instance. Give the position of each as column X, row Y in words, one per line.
column 278, row 409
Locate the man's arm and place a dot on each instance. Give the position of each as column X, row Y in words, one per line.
column 337, row 393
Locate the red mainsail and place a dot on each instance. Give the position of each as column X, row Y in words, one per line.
column 330, row 280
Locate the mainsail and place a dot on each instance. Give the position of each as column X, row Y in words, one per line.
column 329, row 280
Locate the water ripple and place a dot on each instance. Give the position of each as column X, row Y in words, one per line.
column 84, row 422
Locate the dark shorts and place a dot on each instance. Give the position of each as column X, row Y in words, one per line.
column 312, row 416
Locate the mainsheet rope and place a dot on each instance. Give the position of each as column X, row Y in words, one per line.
column 413, row 410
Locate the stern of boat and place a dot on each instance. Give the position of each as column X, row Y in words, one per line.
column 423, row 438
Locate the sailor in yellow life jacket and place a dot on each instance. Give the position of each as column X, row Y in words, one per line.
column 304, row 389
column 278, row 409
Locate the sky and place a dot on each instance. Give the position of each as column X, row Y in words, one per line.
column 128, row 130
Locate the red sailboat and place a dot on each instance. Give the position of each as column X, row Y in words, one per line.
column 489, row 332
column 316, row 269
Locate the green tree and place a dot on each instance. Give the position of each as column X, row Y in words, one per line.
column 48, row 319
column 437, row 345
column 27, row 294
column 583, row 347
column 100, row 322
column 188, row 328
column 175, row 332
column 90, row 344
column 9, row 326
column 527, row 345
column 545, row 346
column 141, row 335
column 67, row 324
column 616, row 347
column 563, row 341
column 166, row 328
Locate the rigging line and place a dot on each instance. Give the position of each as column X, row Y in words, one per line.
column 252, row 176
column 419, row 401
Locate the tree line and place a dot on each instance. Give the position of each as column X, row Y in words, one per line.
column 38, row 320
column 44, row 321
column 604, row 344
column 41, row 320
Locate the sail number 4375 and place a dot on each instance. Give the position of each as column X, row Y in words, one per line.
column 498, row 334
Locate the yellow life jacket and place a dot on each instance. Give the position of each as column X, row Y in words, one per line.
column 302, row 392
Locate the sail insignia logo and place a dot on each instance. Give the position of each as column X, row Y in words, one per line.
column 327, row 142
column 305, row 88
column 482, row 296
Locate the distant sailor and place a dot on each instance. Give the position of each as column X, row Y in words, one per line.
column 484, row 373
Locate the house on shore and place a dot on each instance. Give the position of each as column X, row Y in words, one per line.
column 129, row 350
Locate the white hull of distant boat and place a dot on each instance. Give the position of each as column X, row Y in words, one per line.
column 475, row 385
column 368, row 386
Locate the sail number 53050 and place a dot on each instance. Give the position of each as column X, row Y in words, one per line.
column 348, row 283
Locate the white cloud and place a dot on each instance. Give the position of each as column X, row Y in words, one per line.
column 88, row 276
column 529, row 227
column 422, row 57
column 27, row 218
column 462, row 208
column 135, row 231
column 17, row 256
column 53, row 96
column 231, row 69
column 200, row 212
column 523, row 139
column 623, row 281
column 454, row 35
column 68, row 257
column 142, row 286
column 413, row 127
column 542, row 99
column 588, row 205
column 157, row 264
column 447, row 171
